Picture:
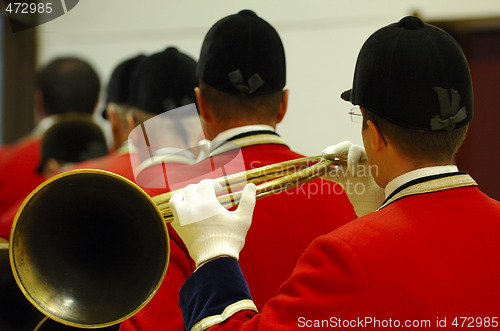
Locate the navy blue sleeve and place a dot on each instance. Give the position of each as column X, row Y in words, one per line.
column 213, row 288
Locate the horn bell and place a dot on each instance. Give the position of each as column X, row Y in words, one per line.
column 89, row 248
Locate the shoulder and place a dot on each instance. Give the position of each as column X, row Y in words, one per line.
column 265, row 154
column 28, row 146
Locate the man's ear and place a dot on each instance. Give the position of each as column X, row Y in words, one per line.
column 203, row 108
column 112, row 118
column 283, row 106
column 51, row 167
column 39, row 104
column 131, row 121
column 376, row 140
column 119, row 127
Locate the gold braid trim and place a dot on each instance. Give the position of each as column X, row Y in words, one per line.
column 438, row 184
column 229, row 311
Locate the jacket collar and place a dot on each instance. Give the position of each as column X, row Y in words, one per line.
column 430, row 183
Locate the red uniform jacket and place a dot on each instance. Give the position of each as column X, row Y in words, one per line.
column 428, row 255
column 18, row 172
column 4, row 153
column 283, row 226
column 117, row 162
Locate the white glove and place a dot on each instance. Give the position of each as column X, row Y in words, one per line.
column 356, row 179
column 206, row 227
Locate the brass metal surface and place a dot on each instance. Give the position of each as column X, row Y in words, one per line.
column 87, row 249
column 90, row 248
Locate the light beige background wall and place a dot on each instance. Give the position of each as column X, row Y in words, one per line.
column 321, row 38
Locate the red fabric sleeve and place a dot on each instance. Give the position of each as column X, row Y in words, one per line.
column 163, row 310
column 328, row 284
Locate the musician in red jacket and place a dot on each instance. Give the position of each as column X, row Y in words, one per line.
column 116, row 111
column 428, row 257
column 241, row 99
column 140, row 89
column 65, row 85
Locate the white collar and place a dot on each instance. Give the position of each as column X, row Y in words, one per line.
column 418, row 173
column 228, row 134
column 44, row 124
column 207, row 147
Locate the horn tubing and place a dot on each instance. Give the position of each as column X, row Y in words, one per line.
column 272, row 179
column 261, row 175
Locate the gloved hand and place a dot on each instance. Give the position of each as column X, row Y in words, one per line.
column 355, row 177
column 206, row 227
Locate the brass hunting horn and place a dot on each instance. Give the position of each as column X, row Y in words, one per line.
column 90, row 248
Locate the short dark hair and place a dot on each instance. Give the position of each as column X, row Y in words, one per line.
column 68, row 84
column 227, row 106
column 440, row 146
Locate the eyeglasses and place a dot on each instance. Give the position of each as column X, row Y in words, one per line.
column 356, row 115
